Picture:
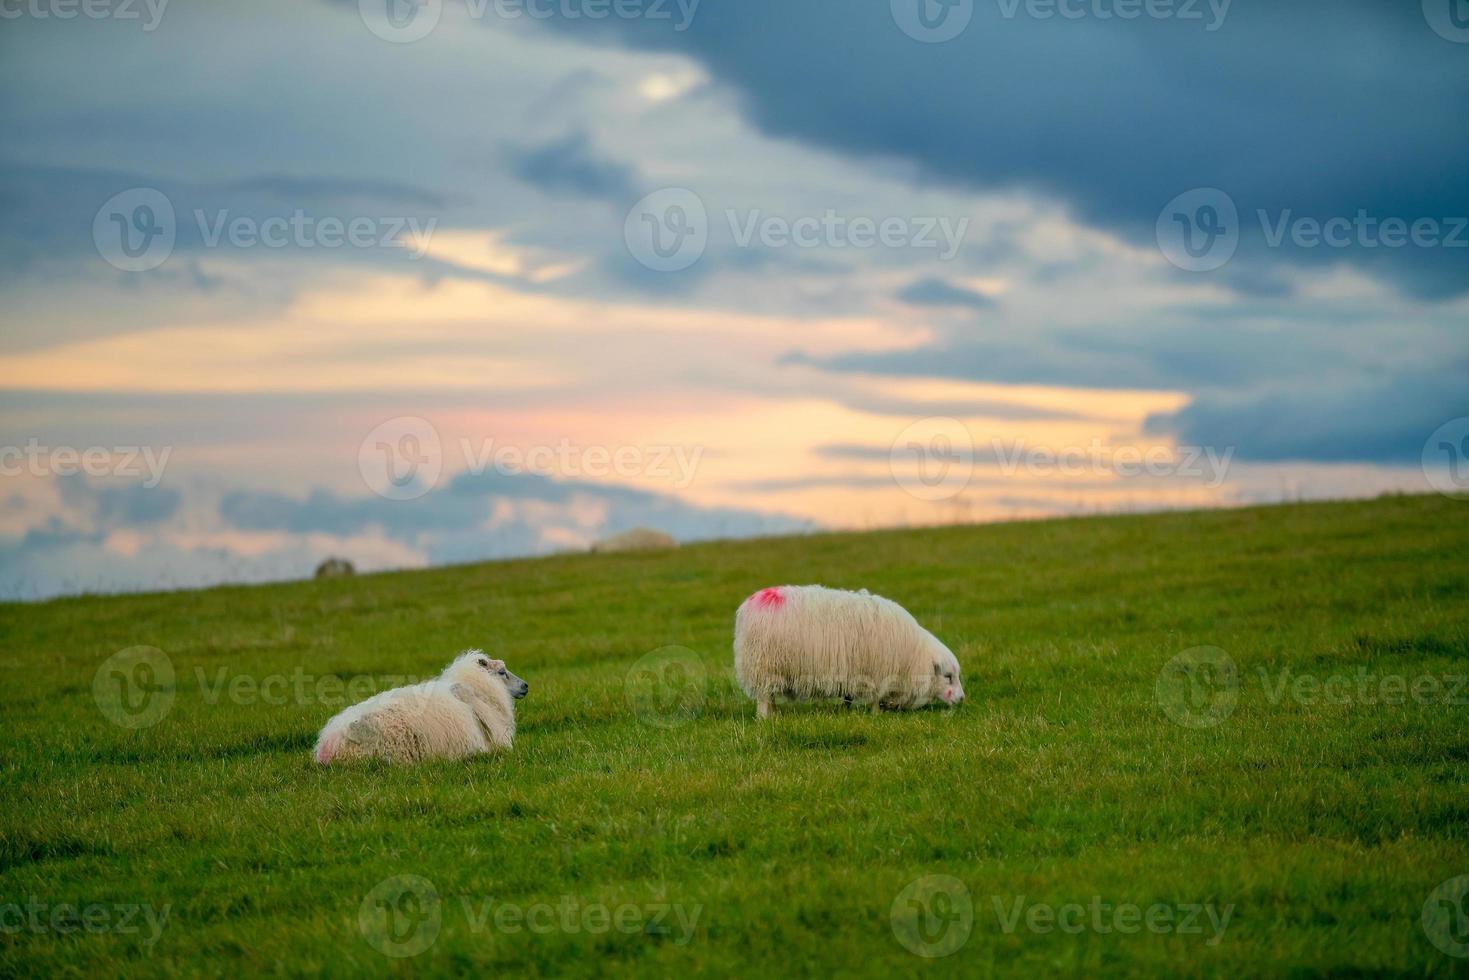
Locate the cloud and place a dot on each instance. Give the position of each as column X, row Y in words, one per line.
column 955, row 408
column 1386, row 422
column 1175, row 354
column 136, row 505
column 112, row 505
column 1274, row 104
column 569, row 164
column 464, row 503
column 844, row 481
column 47, row 214
column 494, row 514
column 318, row 191
column 55, row 533
column 938, row 292
column 887, row 454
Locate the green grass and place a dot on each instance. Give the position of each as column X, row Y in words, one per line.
column 1324, row 825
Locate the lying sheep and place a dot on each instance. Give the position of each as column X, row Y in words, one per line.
column 804, row 642
column 466, row 710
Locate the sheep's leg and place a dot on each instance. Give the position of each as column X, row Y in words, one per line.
column 847, row 702
column 762, row 708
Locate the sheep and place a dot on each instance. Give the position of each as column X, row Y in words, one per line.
column 638, row 539
column 467, row 709
column 804, row 642
column 335, row 568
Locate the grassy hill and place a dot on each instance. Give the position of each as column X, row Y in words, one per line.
column 1288, row 799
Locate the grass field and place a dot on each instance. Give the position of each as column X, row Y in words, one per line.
column 1091, row 808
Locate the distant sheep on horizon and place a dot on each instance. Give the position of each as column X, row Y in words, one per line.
column 807, row 642
column 466, row 710
column 637, row 539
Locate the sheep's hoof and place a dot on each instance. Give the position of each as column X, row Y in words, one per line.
column 762, row 709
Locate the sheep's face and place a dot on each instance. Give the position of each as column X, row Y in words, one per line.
column 479, row 670
column 945, row 686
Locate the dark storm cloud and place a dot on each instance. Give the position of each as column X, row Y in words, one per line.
column 1322, row 108
column 1386, row 422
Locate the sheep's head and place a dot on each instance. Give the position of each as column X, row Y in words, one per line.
column 479, row 671
column 945, row 686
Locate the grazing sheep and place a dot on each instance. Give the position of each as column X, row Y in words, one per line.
column 804, row 642
column 335, row 568
column 466, row 710
column 638, row 539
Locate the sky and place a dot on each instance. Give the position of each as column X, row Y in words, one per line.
column 418, row 283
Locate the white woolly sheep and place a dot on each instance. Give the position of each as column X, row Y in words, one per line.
column 467, row 709
column 806, row 642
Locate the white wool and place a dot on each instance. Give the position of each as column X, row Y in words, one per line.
column 638, row 539
column 467, row 709
column 807, row 642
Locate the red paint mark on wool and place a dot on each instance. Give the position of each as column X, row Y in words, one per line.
column 768, row 598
